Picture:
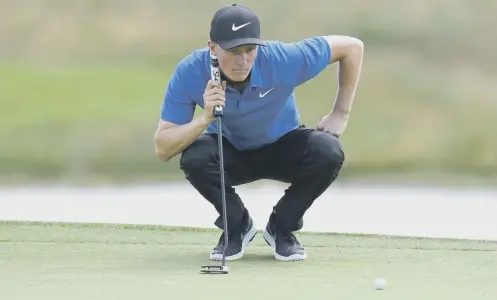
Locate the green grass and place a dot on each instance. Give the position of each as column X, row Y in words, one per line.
column 68, row 123
column 93, row 261
column 84, row 103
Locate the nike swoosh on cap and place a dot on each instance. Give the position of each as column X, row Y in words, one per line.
column 235, row 28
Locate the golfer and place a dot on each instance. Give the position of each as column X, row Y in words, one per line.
column 262, row 136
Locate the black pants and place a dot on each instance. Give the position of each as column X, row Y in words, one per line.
column 307, row 159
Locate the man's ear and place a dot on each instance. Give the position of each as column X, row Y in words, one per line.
column 212, row 46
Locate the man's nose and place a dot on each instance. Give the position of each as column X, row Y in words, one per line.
column 241, row 59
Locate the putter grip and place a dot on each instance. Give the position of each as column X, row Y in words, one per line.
column 216, row 76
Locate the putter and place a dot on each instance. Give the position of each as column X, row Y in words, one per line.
column 218, row 113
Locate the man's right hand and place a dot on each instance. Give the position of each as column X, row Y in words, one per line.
column 214, row 95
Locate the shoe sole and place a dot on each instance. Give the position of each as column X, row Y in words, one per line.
column 249, row 237
column 270, row 241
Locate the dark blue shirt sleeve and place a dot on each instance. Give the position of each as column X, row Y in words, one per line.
column 178, row 107
column 297, row 62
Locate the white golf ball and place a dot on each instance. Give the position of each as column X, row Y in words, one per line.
column 380, row 283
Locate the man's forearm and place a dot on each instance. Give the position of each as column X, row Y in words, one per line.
column 349, row 72
column 172, row 141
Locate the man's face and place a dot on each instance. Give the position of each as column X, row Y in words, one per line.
column 236, row 63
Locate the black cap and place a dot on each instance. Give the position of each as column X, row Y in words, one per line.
column 235, row 25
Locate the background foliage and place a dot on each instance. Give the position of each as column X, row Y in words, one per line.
column 82, row 84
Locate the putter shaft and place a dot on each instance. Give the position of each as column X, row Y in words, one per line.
column 223, row 192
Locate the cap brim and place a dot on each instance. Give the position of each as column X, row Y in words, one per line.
column 239, row 42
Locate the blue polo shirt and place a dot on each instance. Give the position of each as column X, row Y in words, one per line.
column 266, row 110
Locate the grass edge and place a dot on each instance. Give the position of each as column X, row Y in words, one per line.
column 169, row 228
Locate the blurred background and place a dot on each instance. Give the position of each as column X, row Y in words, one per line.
column 82, row 84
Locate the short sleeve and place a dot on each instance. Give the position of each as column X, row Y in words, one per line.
column 178, row 107
column 300, row 61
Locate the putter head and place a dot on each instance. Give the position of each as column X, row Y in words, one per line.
column 214, row 269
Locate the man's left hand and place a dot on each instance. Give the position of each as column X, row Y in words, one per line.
column 334, row 123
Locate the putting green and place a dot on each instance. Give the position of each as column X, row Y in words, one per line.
column 93, row 261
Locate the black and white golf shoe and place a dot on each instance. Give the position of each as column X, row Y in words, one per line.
column 285, row 245
column 238, row 239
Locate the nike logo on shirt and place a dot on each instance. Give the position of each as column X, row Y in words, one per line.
column 264, row 94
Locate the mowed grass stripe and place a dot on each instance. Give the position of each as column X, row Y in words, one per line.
column 101, row 233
